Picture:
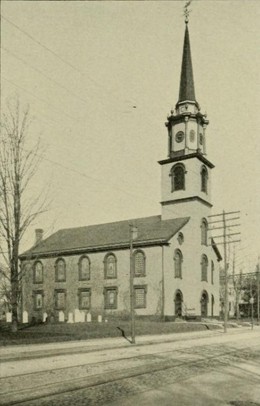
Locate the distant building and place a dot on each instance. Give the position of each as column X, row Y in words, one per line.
column 175, row 264
column 233, row 294
column 4, row 291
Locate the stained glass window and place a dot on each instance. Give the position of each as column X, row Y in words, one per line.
column 110, row 266
column 139, row 263
column 38, row 272
column 60, row 268
column 84, row 269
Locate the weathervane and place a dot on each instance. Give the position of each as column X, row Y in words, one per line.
column 186, row 11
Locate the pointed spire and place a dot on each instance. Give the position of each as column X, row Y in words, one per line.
column 187, row 90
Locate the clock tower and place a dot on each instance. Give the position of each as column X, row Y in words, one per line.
column 186, row 174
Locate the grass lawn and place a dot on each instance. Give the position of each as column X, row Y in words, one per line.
column 46, row 333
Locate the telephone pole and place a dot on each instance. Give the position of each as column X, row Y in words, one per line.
column 133, row 234
column 225, row 222
column 258, row 287
column 252, row 303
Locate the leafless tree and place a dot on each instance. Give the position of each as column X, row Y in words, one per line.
column 19, row 161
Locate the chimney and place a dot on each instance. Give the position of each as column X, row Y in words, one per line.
column 38, row 235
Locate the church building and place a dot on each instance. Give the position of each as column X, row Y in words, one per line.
column 86, row 269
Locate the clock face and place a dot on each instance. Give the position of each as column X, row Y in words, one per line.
column 179, row 136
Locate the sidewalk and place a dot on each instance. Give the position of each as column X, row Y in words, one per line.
column 21, row 352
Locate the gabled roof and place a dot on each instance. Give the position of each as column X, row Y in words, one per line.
column 101, row 237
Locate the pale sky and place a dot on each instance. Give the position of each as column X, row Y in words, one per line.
column 82, row 66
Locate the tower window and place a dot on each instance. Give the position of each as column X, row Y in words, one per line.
column 178, row 177
column 204, row 232
column 178, row 258
column 212, row 272
column 204, row 268
column 180, row 238
column 204, row 179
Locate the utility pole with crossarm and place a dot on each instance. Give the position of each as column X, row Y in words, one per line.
column 225, row 223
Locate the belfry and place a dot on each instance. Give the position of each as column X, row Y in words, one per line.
column 186, row 171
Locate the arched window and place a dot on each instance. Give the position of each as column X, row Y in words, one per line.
column 178, row 258
column 178, row 177
column 212, row 305
column 139, row 263
column 204, row 179
column 38, row 272
column 212, row 272
column 178, row 299
column 110, row 266
column 204, row 268
column 60, row 270
column 204, row 232
column 84, row 268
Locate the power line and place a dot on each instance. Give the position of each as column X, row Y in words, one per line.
column 100, row 85
column 64, row 61
column 46, row 76
column 41, row 44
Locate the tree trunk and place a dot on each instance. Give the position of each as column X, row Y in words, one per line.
column 14, row 302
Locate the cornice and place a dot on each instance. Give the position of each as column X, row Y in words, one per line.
column 197, row 155
column 187, row 199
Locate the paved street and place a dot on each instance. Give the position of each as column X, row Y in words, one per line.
column 209, row 368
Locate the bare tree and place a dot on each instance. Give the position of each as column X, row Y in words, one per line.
column 19, row 161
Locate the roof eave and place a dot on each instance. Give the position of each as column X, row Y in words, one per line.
column 179, row 228
column 99, row 248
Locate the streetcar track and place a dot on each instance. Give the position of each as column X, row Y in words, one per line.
column 114, row 376
column 137, row 356
column 80, row 350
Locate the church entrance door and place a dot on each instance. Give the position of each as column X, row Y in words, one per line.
column 204, row 304
column 178, row 303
